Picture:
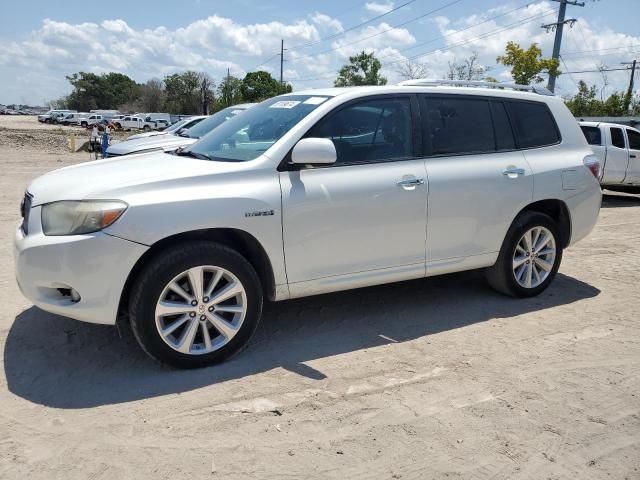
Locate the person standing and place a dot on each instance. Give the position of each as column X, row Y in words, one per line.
column 105, row 141
column 93, row 142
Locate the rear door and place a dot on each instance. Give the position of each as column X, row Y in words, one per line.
column 615, row 168
column 478, row 180
column 633, row 167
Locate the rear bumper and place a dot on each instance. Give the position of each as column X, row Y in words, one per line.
column 584, row 209
column 96, row 266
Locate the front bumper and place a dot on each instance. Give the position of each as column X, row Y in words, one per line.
column 96, row 266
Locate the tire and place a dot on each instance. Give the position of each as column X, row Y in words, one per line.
column 173, row 266
column 84, row 125
column 502, row 275
column 146, row 128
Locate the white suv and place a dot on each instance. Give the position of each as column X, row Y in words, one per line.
column 308, row 193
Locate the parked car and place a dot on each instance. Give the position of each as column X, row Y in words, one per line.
column 182, row 138
column 91, row 120
column 618, row 148
column 73, row 118
column 49, row 116
column 310, row 193
column 184, row 124
column 131, row 122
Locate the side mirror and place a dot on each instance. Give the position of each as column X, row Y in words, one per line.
column 314, row 151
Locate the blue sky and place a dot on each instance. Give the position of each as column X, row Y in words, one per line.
column 42, row 41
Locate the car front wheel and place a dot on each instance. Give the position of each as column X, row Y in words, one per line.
column 195, row 305
column 529, row 258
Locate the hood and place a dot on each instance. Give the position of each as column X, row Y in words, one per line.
column 159, row 142
column 113, row 177
column 145, row 135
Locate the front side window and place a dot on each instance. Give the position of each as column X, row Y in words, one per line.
column 617, row 138
column 634, row 139
column 247, row 136
column 369, row 131
column 458, row 126
column 533, row 124
column 592, row 134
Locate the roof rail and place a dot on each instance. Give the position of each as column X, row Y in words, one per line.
column 427, row 82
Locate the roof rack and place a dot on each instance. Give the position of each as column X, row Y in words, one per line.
column 427, row 82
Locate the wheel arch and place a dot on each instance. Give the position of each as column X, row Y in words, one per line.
column 239, row 240
column 557, row 210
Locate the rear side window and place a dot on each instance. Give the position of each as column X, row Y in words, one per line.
column 617, row 138
column 592, row 134
column 634, row 139
column 369, row 131
column 459, row 125
column 502, row 127
column 533, row 124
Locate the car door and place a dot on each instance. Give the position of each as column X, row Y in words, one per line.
column 617, row 159
column 365, row 215
column 633, row 167
column 478, row 180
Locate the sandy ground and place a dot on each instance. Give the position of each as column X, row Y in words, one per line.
column 437, row 378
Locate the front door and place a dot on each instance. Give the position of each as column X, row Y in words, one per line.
column 366, row 214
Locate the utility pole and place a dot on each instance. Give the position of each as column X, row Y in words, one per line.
column 281, row 59
column 627, row 97
column 559, row 27
column 228, row 89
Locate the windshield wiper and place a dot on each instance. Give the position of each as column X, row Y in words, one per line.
column 189, row 153
column 184, row 135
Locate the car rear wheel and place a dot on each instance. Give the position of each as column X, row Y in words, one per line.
column 529, row 258
column 195, row 305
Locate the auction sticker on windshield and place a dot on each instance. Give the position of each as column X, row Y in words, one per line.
column 315, row 100
column 285, row 104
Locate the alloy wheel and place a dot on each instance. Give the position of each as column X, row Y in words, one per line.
column 534, row 257
column 201, row 310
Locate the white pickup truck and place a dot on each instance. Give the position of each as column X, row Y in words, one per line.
column 618, row 148
column 133, row 122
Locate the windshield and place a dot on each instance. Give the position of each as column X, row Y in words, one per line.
column 247, row 136
column 204, row 127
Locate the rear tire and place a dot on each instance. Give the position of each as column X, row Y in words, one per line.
column 527, row 272
column 202, row 328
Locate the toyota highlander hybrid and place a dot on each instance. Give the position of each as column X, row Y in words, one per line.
column 308, row 193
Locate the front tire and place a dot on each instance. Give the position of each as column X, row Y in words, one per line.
column 529, row 258
column 195, row 305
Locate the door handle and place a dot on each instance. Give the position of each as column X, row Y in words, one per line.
column 513, row 172
column 632, row 156
column 410, row 182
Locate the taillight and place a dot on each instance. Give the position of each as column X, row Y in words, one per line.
column 592, row 162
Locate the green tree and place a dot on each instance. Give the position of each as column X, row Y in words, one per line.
column 183, row 93
column 528, row 65
column 106, row 91
column 362, row 69
column 229, row 91
column 258, row 86
column 585, row 103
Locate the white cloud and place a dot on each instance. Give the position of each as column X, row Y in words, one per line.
column 379, row 7
column 215, row 43
column 327, row 22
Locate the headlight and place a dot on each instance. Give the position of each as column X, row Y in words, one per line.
column 70, row 217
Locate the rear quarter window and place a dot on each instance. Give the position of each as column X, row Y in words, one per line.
column 533, row 123
column 592, row 134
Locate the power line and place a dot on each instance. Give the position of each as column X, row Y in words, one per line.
column 335, row 35
column 393, row 27
column 443, row 49
column 596, row 71
column 354, row 27
column 602, row 49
